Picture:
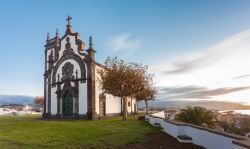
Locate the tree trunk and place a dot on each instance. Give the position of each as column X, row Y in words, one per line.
column 125, row 108
column 131, row 105
column 137, row 106
column 146, row 107
column 122, row 106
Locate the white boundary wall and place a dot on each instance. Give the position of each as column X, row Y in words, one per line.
column 208, row 138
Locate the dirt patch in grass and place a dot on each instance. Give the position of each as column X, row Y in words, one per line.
column 156, row 141
column 160, row 141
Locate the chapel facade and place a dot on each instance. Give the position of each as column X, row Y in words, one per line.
column 71, row 81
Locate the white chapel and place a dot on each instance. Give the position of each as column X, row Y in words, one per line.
column 71, row 87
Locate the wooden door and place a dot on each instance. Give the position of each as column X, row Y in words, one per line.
column 67, row 104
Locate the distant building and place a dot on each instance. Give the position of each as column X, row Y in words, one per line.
column 238, row 119
column 33, row 107
column 16, row 107
column 171, row 113
column 227, row 117
column 1, row 111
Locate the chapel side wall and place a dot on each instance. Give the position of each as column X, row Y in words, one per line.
column 132, row 105
column 113, row 104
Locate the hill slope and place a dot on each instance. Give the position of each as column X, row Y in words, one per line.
column 212, row 105
column 19, row 99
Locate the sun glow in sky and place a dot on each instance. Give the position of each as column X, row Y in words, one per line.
column 197, row 50
column 218, row 72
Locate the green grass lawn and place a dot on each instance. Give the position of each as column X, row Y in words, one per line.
column 32, row 132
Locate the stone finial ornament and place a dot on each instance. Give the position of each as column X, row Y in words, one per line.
column 57, row 34
column 91, row 45
column 48, row 37
column 90, row 42
column 91, row 51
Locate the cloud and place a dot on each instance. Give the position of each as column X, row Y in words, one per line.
column 179, row 90
column 241, row 76
column 184, row 66
column 124, row 42
column 196, row 92
column 219, row 72
column 236, row 45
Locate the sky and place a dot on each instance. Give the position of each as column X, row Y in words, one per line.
column 196, row 49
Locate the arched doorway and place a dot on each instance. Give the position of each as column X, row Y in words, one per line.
column 67, row 104
column 102, row 105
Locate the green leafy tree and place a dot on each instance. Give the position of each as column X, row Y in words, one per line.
column 235, row 130
column 245, row 125
column 122, row 79
column 196, row 115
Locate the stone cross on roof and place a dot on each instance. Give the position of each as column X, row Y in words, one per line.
column 68, row 19
column 69, row 28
